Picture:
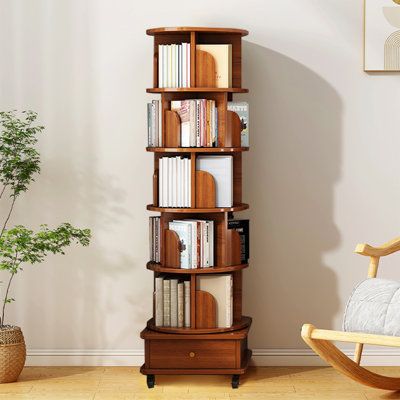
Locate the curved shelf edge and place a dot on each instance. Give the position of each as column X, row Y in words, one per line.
column 197, row 89
column 211, row 270
column 235, row 208
column 180, row 29
column 244, row 323
column 196, row 149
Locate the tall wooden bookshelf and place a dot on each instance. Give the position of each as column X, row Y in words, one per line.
column 199, row 350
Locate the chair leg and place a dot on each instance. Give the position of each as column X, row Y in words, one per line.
column 358, row 353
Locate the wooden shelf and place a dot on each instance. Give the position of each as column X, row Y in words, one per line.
column 197, row 89
column 196, row 149
column 235, row 208
column 244, row 323
column 212, row 270
column 182, row 29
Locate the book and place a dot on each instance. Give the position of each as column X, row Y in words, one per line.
column 167, row 302
column 181, row 304
column 241, row 108
column 174, row 302
column 184, row 233
column 221, row 168
column 220, row 287
column 159, row 301
column 222, row 54
column 242, row 227
column 182, row 107
column 154, row 239
column 187, row 304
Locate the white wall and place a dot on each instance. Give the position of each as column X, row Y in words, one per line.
column 322, row 175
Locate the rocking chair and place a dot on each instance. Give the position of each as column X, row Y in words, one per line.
column 320, row 340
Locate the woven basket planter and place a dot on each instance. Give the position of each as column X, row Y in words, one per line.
column 12, row 353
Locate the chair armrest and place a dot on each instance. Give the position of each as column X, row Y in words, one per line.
column 384, row 250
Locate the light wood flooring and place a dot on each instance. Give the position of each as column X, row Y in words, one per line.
column 116, row 383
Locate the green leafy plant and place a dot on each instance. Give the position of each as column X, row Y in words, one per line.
column 19, row 162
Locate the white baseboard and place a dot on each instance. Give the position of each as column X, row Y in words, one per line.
column 261, row 357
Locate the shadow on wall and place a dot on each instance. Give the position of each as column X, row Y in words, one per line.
column 289, row 179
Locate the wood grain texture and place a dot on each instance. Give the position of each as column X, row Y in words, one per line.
column 233, row 130
column 194, row 89
column 155, row 187
column 232, row 247
column 205, row 190
column 320, row 342
column 211, row 150
column 202, row 29
column 205, row 69
column 388, row 248
column 172, row 129
column 210, row 270
column 235, row 208
column 172, row 249
column 206, row 310
column 244, row 322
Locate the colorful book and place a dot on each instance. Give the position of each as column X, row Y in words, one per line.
column 241, row 108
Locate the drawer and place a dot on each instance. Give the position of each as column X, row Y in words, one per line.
column 192, row 353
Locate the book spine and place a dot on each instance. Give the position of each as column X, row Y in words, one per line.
column 179, row 182
column 211, row 242
column 151, row 238
column 169, row 177
column 160, row 182
column 189, row 185
column 206, row 240
column 157, row 244
column 192, row 108
column 149, row 144
column 167, row 302
column 187, row 304
column 181, row 305
column 188, row 64
column 153, row 125
column 174, row 303
column 159, row 297
column 228, row 299
column 160, row 66
column 198, row 108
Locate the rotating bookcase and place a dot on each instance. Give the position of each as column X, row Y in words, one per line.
column 202, row 347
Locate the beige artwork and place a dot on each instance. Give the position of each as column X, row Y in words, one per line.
column 382, row 35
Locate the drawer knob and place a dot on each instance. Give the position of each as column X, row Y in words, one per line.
column 192, row 354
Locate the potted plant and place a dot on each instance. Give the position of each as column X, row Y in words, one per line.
column 19, row 163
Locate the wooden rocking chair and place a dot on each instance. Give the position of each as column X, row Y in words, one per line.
column 320, row 340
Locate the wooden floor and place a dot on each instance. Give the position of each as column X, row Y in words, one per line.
column 116, row 383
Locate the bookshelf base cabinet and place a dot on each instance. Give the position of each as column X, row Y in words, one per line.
column 197, row 253
column 203, row 354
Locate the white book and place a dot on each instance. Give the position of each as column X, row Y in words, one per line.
column 185, row 237
column 181, row 304
column 206, row 245
column 160, row 182
column 169, row 177
column 221, row 168
column 160, row 66
column 156, row 111
column 189, row 185
column 176, row 65
column 187, row 304
column 188, row 64
column 179, row 182
column 165, row 182
column 211, row 242
column 179, row 65
column 159, row 301
column 174, row 303
column 165, row 65
column 167, row 302
column 219, row 286
column 169, row 67
column 184, row 65
column 174, row 186
column 184, row 183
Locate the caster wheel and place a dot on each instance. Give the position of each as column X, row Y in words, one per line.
column 150, row 381
column 235, row 381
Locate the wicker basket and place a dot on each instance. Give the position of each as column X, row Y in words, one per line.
column 12, row 353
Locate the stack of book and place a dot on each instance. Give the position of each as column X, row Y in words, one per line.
column 221, row 288
column 154, row 236
column 242, row 227
column 174, row 65
column 199, row 122
column 154, row 137
column 174, row 182
column 172, row 302
column 196, row 242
